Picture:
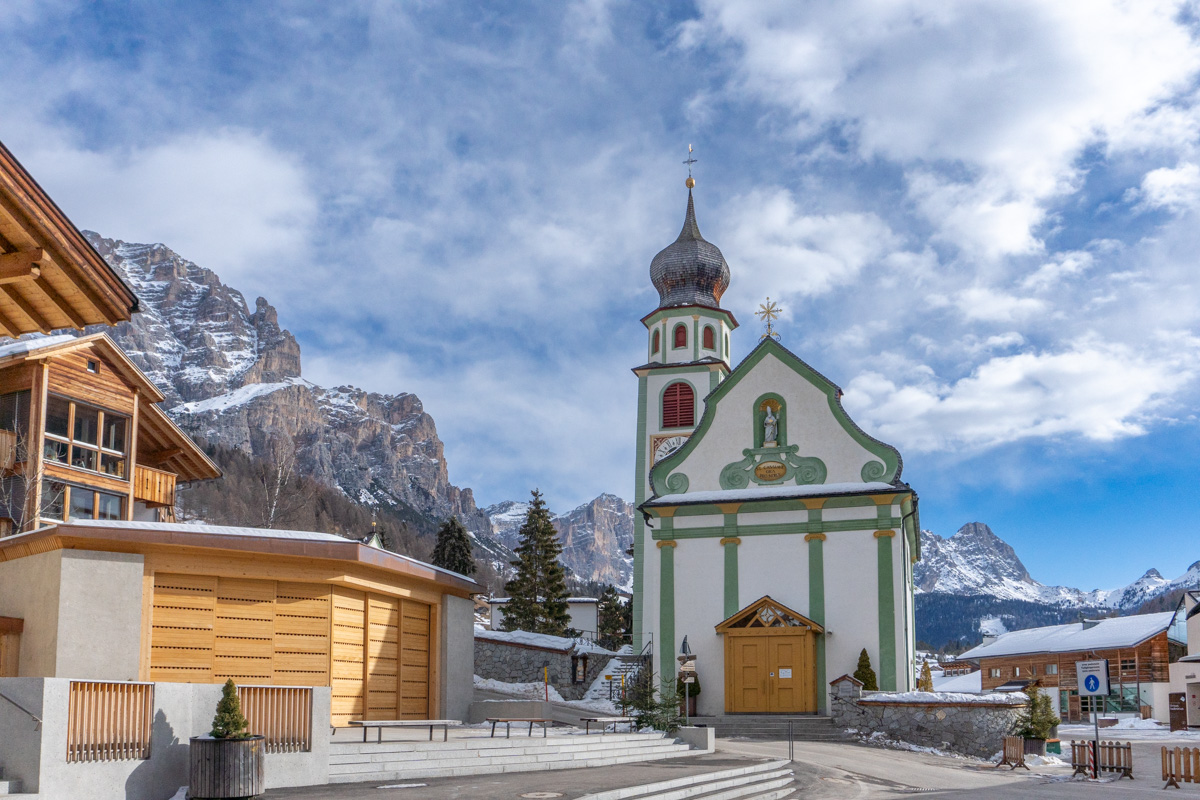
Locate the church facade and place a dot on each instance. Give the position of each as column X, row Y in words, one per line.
column 776, row 535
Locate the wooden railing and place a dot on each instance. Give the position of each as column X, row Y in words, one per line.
column 109, row 721
column 1180, row 764
column 1013, row 753
column 283, row 714
column 154, row 487
column 8, row 450
column 1112, row 757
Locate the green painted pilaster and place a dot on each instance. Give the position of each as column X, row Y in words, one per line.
column 887, row 613
column 816, row 607
column 639, row 528
column 730, row 542
column 695, row 340
column 714, row 378
column 666, row 611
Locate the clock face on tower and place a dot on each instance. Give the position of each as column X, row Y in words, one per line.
column 663, row 446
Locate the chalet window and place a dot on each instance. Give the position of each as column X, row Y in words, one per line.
column 679, row 406
column 1016, row 672
column 680, row 336
column 93, row 366
column 1052, row 669
column 1032, row 672
column 709, row 338
column 1128, row 664
column 64, row 501
column 85, row 437
column 14, row 412
column 994, row 672
column 654, row 342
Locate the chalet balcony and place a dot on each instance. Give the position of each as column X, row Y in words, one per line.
column 154, row 487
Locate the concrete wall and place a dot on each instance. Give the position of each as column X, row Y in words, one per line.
column 458, row 657
column 29, row 590
column 181, row 710
column 974, row 729
column 584, row 616
column 99, row 616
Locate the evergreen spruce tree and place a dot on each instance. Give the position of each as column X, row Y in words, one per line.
column 925, row 684
column 453, row 548
column 538, row 592
column 229, row 723
column 865, row 674
column 610, row 615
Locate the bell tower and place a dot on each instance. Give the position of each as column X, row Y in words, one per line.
column 687, row 350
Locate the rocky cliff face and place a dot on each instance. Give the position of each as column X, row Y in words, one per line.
column 594, row 536
column 232, row 376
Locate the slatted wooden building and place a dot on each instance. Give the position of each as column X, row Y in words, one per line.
column 203, row 604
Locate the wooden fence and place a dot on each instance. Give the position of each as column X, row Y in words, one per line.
column 109, row 721
column 1180, row 764
column 1014, row 753
column 283, row 714
column 1113, row 757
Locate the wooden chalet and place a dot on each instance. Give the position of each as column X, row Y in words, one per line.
column 50, row 277
column 1139, row 650
column 82, row 436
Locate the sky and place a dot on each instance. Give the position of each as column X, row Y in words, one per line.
column 980, row 220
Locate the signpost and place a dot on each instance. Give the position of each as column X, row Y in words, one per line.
column 1092, row 677
column 687, row 671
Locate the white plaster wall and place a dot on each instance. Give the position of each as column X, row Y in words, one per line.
column 29, row 590
column 583, row 616
column 775, row 566
column 100, row 616
column 904, row 661
column 863, row 513
column 851, row 601
column 810, row 424
column 707, row 521
column 699, row 608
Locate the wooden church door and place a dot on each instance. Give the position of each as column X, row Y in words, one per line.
column 749, row 667
column 770, row 660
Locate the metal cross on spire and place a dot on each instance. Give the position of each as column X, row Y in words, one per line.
column 690, row 182
column 768, row 312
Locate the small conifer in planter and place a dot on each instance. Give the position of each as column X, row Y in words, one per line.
column 230, row 761
column 864, row 674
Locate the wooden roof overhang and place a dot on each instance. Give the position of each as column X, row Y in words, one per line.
column 765, row 615
column 162, row 444
column 143, row 538
column 50, row 276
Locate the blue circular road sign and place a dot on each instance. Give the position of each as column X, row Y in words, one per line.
column 1091, row 683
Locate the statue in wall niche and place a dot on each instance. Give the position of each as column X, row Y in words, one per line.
column 770, row 428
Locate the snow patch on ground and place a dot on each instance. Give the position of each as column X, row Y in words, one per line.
column 530, row 691
column 238, row 397
column 880, row 739
column 1134, row 724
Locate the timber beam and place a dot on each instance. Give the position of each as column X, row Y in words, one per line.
column 23, row 265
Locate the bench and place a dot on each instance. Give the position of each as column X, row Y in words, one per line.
column 508, row 721
column 589, row 721
column 444, row 724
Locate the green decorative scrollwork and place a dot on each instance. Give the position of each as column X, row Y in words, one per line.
column 873, row 471
column 678, row 483
column 803, row 470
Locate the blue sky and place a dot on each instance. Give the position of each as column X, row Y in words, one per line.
column 980, row 219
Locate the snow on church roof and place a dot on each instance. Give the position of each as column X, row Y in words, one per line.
column 1104, row 634
column 772, row 493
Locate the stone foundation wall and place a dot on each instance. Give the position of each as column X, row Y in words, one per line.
column 974, row 729
column 519, row 663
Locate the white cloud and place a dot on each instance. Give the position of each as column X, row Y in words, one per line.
column 988, row 106
column 990, row 305
column 1172, row 188
column 1059, row 268
column 225, row 199
column 1094, row 390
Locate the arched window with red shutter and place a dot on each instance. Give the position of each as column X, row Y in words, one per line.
column 654, row 342
column 678, row 406
column 680, row 335
column 709, row 339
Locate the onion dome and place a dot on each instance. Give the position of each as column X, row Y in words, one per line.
column 690, row 271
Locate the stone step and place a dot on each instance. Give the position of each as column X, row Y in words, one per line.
column 752, row 791
column 11, row 787
column 697, row 785
column 485, row 742
column 440, row 772
column 362, row 752
column 402, row 765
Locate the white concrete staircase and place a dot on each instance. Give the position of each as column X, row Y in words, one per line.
column 770, row 780
column 351, row 762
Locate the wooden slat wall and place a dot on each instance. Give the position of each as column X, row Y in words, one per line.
column 383, row 650
column 69, row 376
column 414, row 661
column 244, row 631
column 283, row 714
column 109, row 721
column 347, row 669
column 181, row 643
column 302, row 634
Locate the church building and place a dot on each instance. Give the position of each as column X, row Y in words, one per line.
column 776, row 536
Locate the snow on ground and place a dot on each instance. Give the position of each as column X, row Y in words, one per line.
column 1135, row 730
column 992, row 626
column 1004, row 698
column 880, row 739
column 535, row 690
column 597, row 694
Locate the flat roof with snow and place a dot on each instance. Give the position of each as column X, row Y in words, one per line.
column 1104, row 634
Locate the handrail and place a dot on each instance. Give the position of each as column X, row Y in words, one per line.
column 32, row 716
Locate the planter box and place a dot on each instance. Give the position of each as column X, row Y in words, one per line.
column 1035, row 747
column 222, row 769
